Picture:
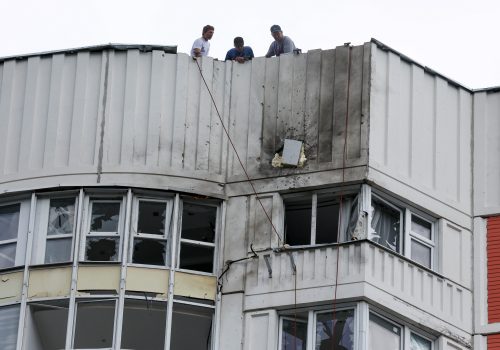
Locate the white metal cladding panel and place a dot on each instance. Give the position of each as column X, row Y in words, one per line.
column 420, row 129
column 486, row 153
column 48, row 113
column 309, row 97
column 159, row 116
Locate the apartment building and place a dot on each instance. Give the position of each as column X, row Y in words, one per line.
column 336, row 199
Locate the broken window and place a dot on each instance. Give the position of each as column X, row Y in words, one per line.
column 103, row 239
column 9, row 226
column 94, row 324
column 294, row 332
column 335, row 331
column 46, row 323
column 197, row 244
column 418, row 342
column 9, row 321
column 60, row 230
column 319, row 218
column 400, row 229
column 150, row 237
column 144, row 324
column 191, row 327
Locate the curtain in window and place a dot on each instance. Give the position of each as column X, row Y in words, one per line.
column 386, row 223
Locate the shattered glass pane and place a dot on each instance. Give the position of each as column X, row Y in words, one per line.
column 421, row 253
column 196, row 257
column 149, row 251
column 198, row 222
column 151, row 218
column 102, row 249
column 386, row 225
column 7, row 255
column 294, row 334
column 338, row 333
column 9, row 320
column 61, row 216
column 298, row 221
column 327, row 218
column 94, row 325
column 9, row 221
column 58, row 250
column 105, row 217
column 144, row 324
column 421, row 227
column 191, row 327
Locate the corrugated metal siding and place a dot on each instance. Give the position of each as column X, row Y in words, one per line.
column 493, row 254
column 134, row 112
column 420, row 129
column 306, row 97
column 486, row 153
column 493, row 341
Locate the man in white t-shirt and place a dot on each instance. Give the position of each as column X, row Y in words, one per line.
column 201, row 46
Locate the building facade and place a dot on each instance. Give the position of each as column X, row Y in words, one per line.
column 128, row 220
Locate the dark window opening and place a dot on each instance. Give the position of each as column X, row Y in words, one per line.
column 198, row 222
column 102, row 249
column 294, row 333
column 196, row 257
column 149, row 251
column 46, row 325
column 327, row 219
column 151, row 218
column 338, row 333
column 298, row 221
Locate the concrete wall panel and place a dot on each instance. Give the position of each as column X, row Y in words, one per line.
column 49, row 282
column 147, row 280
column 11, row 285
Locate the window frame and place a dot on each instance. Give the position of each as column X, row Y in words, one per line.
column 406, row 234
column 22, row 230
column 352, row 193
column 169, row 201
column 41, row 236
column 406, row 329
column 180, row 240
column 86, row 233
column 311, row 322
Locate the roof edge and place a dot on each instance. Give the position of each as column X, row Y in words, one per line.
column 110, row 46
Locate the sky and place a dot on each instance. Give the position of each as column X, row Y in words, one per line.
column 457, row 38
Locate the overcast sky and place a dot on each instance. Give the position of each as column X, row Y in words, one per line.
column 459, row 39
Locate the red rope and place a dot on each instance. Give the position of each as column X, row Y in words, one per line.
column 237, row 155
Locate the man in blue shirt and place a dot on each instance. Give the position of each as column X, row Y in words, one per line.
column 239, row 53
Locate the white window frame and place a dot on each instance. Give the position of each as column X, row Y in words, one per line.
column 406, row 330
column 312, row 321
column 96, row 300
column 22, row 230
column 406, row 234
column 41, row 226
column 167, row 235
column 181, row 240
column 352, row 193
column 102, row 198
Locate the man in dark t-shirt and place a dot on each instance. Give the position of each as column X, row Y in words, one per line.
column 240, row 52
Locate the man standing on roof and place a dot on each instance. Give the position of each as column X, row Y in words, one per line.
column 239, row 53
column 281, row 43
column 201, row 46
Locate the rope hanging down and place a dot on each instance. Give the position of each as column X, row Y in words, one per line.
column 237, row 155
